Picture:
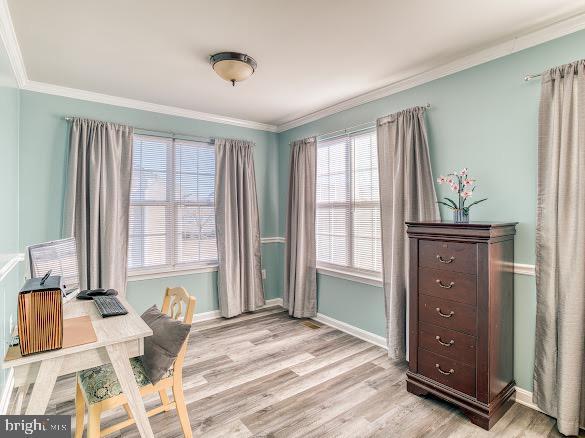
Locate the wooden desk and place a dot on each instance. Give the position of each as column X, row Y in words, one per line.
column 118, row 339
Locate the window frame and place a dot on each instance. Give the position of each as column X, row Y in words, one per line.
column 172, row 206
column 350, row 271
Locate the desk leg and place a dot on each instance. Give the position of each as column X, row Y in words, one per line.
column 43, row 387
column 119, row 359
column 20, row 395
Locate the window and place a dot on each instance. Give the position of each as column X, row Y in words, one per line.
column 172, row 214
column 348, row 203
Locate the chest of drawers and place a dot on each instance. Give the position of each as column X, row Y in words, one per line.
column 461, row 316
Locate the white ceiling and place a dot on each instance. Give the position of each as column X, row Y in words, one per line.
column 311, row 54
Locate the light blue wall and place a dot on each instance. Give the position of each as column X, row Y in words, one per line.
column 43, row 157
column 9, row 103
column 142, row 294
column 484, row 118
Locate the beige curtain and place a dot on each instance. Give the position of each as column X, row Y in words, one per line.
column 300, row 278
column 97, row 201
column 238, row 228
column 559, row 367
column 407, row 193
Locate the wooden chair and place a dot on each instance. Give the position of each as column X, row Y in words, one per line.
column 177, row 303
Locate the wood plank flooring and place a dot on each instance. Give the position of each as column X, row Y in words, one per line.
column 268, row 375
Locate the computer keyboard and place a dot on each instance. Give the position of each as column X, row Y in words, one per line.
column 109, row 306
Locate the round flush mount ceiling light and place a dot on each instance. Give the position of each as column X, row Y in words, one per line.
column 232, row 66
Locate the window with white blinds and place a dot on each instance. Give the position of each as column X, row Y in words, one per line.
column 348, row 203
column 172, row 210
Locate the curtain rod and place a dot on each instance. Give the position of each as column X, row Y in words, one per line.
column 166, row 134
column 530, row 77
column 355, row 127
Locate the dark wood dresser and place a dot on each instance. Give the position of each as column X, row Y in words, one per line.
column 461, row 328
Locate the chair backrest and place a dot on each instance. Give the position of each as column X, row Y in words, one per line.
column 59, row 256
column 179, row 305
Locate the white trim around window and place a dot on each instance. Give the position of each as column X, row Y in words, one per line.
column 371, row 279
column 347, row 226
column 149, row 274
column 172, row 220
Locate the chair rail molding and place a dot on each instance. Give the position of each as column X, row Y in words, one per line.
column 524, row 269
column 275, row 239
column 8, row 262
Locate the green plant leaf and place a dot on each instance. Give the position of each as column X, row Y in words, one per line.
column 444, row 203
column 477, row 202
column 453, row 204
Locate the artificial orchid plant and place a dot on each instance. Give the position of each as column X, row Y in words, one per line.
column 463, row 185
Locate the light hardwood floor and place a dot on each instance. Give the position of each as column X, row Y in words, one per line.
column 268, row 375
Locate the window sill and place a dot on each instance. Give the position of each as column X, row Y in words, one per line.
column 149, row 275
column 372, row 280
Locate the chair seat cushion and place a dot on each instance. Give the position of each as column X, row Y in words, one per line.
column 100, row 383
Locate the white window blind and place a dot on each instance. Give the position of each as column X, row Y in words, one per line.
column 172, row 213
column 348, row 205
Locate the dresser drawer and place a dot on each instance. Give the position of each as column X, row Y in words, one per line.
column 448, row 343
column 454, row 286
column 448, row 314
column 451, row 256
column 452, row 373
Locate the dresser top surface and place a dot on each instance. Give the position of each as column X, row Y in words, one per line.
column 451, row 224
column 478, row 231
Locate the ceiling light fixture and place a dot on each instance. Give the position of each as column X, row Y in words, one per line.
column 232, row 66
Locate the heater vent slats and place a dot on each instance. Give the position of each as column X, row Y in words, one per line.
column 40, row 321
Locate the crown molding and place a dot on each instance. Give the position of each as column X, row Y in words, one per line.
column 521, row 42
column 8, row 37
column 74, row 93
column 10, row 40
column 516, row 44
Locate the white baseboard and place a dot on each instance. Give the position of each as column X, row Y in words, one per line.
column 372, row 338
column 206, row 316
column 524, row 397
column 7, row 392
column 214, row 314
column 273, row 302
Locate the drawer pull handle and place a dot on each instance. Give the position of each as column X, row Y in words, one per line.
column 445, row 315
column 445, row 286
column 447, row 373
column 445, row 344
column 442, row 260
